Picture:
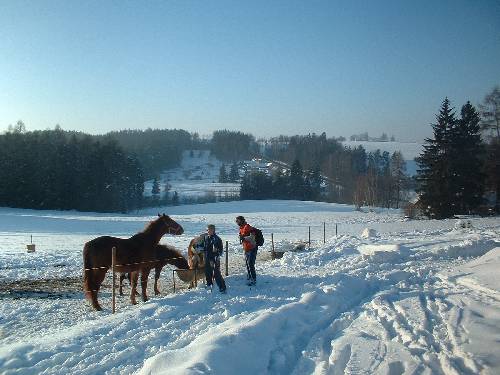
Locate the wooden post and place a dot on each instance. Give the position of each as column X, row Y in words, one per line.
column 227, row 258
column 273, row 254
column 173, row 278
column 113, row 265
column 309, row 237
column 324, row 232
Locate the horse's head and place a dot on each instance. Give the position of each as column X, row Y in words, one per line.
column 171, row 226
column 171, row 255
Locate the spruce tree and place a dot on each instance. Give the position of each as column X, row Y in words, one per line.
column 280, row 184
column 434, row 173
column 315, row 180
column 296, row 189
column 222, row 173
column 466, row 162
column 234, row 174
column 155, row 190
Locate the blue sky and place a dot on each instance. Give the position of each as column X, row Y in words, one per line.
column 265, row 67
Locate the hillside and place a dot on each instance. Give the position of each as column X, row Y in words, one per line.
column 196, row 177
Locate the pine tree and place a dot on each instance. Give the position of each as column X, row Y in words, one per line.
column 155, row 190
column 234, row 174
column 222, row 173
column 280, row 185
column 466, row 162
column 296, row 189
column 434, row 173
column 315, row 180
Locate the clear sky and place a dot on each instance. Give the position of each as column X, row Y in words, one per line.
column 265, row 67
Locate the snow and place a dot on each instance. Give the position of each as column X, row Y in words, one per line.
column 197, row 175
column 417, row 297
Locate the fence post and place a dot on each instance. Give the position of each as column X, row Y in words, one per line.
column 173, row 278
column 273, row 254
column 309, row 237
column 324, row 232
column 227, row 258
column 113, row 293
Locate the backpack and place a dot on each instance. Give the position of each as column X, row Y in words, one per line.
column 259, row 238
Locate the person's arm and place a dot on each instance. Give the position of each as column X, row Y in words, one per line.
column 218, row 246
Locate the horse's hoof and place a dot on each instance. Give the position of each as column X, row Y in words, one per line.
column 157, row 293
column 145, row 299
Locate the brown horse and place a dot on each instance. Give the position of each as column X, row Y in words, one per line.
column 132, row 254
column 165, row 254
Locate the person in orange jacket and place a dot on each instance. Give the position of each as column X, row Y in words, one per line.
column 247, row 239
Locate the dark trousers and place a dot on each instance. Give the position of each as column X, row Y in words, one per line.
column 250, row 262
column 212, row 269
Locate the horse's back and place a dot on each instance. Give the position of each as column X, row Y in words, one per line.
column 97, row 252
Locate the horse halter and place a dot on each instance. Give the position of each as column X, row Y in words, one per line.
column 175, row 230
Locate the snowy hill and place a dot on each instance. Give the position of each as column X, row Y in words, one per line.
column 410, row 297
column 197, row 176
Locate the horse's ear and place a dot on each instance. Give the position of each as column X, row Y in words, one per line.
column 159, row 214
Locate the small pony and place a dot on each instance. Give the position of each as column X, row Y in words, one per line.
column 132, row 254
column 164, row 254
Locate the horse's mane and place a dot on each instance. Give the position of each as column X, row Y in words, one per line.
column 151, row 226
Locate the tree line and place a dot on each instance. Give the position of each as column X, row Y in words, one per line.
column 57, row 169
column 53, row 169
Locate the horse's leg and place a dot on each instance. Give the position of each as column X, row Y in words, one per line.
column 123, row 276
column 134, row 276
column 92, row 282
column 157, row 276
column 144, row 283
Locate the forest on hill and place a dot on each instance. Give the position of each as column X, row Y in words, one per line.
column 58, row 169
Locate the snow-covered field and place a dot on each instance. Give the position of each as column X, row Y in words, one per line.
column 412, row 297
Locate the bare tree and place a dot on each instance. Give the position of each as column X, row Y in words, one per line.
column 490, row 111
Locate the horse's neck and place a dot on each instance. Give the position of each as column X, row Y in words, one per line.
column 154, row 232
column 146, row 238
column 172, row 257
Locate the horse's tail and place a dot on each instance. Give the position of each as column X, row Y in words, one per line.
column 87, row 269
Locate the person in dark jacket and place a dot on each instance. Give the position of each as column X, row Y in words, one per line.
column 213, row 249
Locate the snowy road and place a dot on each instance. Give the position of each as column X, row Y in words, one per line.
column 417, row 297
